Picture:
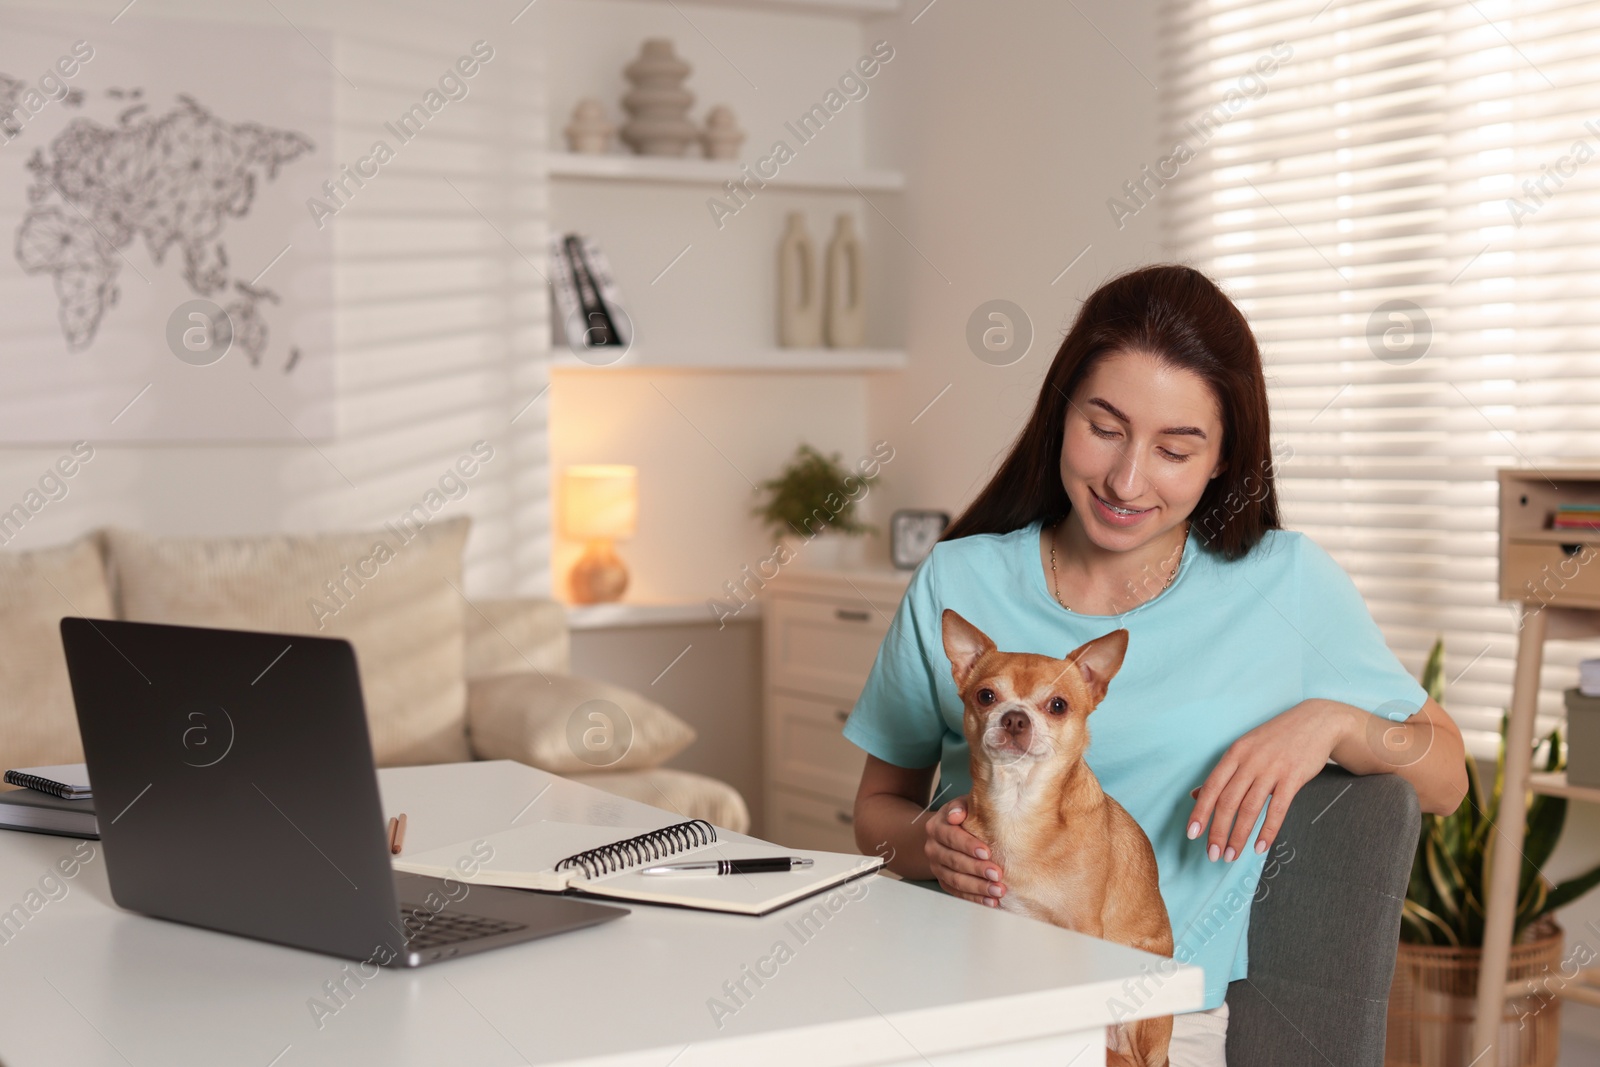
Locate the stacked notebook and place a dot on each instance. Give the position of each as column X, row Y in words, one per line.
column 53, row 800
column 576, row 858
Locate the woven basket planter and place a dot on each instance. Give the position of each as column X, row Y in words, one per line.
column 1434, row 998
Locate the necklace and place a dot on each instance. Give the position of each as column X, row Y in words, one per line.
column 1056, row 578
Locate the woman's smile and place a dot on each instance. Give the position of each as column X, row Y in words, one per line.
column 1113, row 515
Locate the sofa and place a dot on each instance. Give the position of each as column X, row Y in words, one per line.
column 444, row 678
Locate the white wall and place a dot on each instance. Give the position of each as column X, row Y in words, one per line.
column 440, row 328
column 1015, row 122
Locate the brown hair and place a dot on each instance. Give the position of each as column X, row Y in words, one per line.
column 1179, row 316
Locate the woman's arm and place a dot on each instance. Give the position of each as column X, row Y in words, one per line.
column 1426, row 750
column 1281, row 755
column 892, row 812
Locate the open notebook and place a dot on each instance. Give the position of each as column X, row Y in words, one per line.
column 564, row 857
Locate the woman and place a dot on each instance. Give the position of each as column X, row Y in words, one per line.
column 1141, row 494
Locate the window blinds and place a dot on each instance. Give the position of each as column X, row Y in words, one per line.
column 1404, row 199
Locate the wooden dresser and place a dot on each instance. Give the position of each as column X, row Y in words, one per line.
column 822, row 632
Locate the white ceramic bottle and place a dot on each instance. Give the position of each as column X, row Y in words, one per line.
column 845, row 319
column 799, row 298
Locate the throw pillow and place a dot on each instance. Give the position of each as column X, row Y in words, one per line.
column 394, row 594
column 563, row 724
column 38, row 725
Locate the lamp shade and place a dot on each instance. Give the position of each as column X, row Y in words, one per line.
column 600, row 500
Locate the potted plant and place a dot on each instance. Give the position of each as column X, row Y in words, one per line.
column 813, row 499
column 1433, row 997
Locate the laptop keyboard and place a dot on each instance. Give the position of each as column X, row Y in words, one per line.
column 449, row 928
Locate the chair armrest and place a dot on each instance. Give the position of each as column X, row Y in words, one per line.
column 564, row 725
column 1325, row 925
column 517, row 634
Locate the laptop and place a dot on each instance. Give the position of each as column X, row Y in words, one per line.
column 235, row 788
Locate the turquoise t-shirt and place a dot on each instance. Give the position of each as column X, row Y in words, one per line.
column 1224, row 648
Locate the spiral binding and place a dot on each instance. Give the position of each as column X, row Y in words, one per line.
column 667, row 841
column 42, row 785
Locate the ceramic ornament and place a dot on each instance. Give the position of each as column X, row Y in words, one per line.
column 590, row 131
column 658, row 104
column 722, row 135
column 799, row 296
column 845, row 317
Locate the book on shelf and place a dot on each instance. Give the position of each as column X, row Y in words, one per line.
column 1576, row 517
column 588, row 304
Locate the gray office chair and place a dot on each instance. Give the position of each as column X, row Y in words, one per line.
column 1323, row 936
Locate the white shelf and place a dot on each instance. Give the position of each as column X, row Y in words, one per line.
column 667, row 169
column 852, row 8
column 1553, row 537
column 608, row 616
column 1556, row 785
column 785, row 360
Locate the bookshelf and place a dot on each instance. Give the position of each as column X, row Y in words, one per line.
column 701, row 289
column 705, row 402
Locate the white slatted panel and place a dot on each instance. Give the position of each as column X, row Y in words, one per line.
column 1377, row 163
column 440, row 304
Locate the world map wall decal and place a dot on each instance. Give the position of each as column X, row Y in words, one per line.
column 151, row 185
column 171, row 181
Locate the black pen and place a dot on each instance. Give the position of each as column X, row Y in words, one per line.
column 775, row 863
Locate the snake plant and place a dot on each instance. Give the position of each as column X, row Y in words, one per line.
column 1445, row 900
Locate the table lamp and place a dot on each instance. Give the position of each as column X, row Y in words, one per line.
column 599, row 504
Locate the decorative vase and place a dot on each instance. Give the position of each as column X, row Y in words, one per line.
column 658, row 104
column 590, row 131
column 827, row 550
column 1433, row 1002
column 722, row 135
column 845, row 315
column 799, row 302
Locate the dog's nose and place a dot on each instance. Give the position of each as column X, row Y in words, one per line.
column 1017, row 725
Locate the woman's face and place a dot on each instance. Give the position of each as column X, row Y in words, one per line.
column 1140, row 436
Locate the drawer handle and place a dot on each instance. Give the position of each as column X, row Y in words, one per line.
column 1571, row 548
column 842, row 714
column 845, row 817
column 850, row 614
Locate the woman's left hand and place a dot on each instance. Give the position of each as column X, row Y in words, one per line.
column 1274, row 760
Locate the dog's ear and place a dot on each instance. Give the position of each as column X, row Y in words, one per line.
column 1099, row 660
column 964, row 643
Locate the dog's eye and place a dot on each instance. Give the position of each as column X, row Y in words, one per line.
column 1057, row 706
column 986, row 696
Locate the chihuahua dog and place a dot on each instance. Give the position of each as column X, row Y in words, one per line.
column 1072, row 856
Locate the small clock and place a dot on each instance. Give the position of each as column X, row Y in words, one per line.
column 912, row 535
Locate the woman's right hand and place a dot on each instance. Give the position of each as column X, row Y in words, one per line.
column 959, row 860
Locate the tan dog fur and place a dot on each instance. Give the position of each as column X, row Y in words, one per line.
column 1069, row 854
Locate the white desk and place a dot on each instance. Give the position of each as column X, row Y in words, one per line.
column 900, row 975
